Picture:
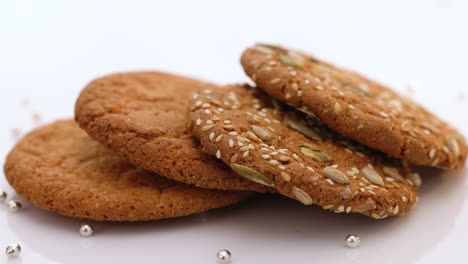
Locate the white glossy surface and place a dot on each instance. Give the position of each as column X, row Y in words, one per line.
column 50, row 49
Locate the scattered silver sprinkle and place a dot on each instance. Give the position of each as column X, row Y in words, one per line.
column 3, row 196
column 14, row 206
column 224, row 256
column 86, row 230
column 13, row 250
column 353, row 241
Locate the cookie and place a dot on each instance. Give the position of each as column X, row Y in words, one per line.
column 142, row 117
column 61, row 169
column 355, row 106
column 272, row 145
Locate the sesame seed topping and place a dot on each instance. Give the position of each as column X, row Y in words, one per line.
column 275, row 81
column 233, row 133
column 209, row 122
column 274, row 153
column 405, row 125
column 396, row 209
column 310, row 168
column 265, row 156
column 231, row 143
column 206, row 105
column 286, row 177
column 241, row 139
column 295, row 156
column 415, row 178
column 384, row 115
column 219, row 138
column 281, row 167
column 244, row 148
column 234, row 158
column 337, row 108
column 211, row 136
column 404, row 198
column 274, row 162
column 263, row 49
column 389, row 179
column 330, row 182
column 293, row 73
column 375, row 216
column 207, row 111
column 218, row 154
column 284, row 158
column 198, row 122
column 453, row 146
column 348, row 209
column 227, row 122
column 319, row 88
column 198, row 103
column 207, row 127
column 340, row 208
column 246, row 153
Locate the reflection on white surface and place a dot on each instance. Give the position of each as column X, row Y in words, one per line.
column 254, row 231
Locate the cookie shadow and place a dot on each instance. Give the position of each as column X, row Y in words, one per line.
column 266, row 223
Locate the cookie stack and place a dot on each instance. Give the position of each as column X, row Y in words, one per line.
column 151, row 145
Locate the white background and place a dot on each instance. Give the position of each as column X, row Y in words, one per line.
column 50, row 49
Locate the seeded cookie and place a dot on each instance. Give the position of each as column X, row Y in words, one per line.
column 272, row 145
column 355, row 106
column 61, row 169
column 142, row 117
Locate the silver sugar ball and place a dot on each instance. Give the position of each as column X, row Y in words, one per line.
column 13, row 250
column 353, row 241
column 224, row 256
column 86, row 230
column 3, row 196
column 14, row 206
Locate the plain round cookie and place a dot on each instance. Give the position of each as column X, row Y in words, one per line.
column 274, row 146
column 142, row 117
column 355, row 106
column 61, row 169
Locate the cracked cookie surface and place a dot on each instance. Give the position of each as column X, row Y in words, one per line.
column 272, row 144
column 61, row 169
column 355, row 106
column 142, row 117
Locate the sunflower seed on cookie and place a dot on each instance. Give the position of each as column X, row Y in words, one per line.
column 302, row 159
column 376, row 115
